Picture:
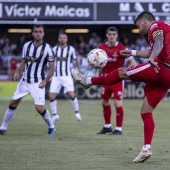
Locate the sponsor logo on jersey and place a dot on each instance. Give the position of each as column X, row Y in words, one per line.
column 32, row 59
column 112, row 59
column 62, row 58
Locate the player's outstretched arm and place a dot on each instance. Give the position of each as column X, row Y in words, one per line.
column 142, row 54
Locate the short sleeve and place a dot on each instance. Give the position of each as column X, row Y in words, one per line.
column 156, row 30
column 54, row 50
column 50, row 54
column 23, row 52
column 73, row 53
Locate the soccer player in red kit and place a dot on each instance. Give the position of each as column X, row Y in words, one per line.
column 155, row 73
column 112, row 48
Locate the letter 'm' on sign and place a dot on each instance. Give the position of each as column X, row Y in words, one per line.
column 50, row 11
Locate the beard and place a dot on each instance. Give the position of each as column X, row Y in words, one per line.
column 62, row 43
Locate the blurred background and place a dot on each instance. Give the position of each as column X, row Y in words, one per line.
column 85, row 22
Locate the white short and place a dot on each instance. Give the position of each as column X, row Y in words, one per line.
column 58, row 82
column 24, row 89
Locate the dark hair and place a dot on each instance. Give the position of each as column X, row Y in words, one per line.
column 38, row 25
column 146, row 15
column 62, row 33
column 112, row 29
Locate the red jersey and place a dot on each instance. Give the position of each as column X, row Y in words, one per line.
column 161, row 28
column 115, row 59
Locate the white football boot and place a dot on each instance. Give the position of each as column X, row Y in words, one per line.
column 143, row 155
column 78, row 117
column 80, row 78
column 55, row 118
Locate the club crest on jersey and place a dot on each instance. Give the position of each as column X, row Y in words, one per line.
column 115, row 54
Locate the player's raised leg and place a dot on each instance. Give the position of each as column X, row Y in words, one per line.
column 109, row 79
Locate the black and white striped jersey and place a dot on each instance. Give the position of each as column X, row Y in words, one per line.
column 63, row 60
column 36, row 59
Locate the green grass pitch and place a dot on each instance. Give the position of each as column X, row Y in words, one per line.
column 75, row 146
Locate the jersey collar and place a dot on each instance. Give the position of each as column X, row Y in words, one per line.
column 114, row 45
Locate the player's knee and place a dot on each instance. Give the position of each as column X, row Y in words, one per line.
column 42, row 112
column 105, row 102
column 123, row 72
column 117, row 103
column 14, row 103
column 71, row 95
column 40, row 109
column 52, row 96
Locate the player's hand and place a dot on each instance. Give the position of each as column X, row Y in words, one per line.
column 154, row 65
column 42, row 84
column 16, row 76
column 125, row 53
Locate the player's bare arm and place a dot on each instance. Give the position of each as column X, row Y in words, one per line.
column 49, row 75
column 19, row 70
column 142, row 54
column 78, row 64
column 132, row 62
column 157, row 48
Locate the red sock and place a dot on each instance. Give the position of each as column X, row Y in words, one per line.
column 108, row 79
column 149, row 126
column 119, row 116
column 107, row 114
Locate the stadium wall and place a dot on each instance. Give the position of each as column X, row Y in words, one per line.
column 80, row 12
column 131, row 91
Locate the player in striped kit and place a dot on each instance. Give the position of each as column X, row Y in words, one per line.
column 35, row 56
column 64, row 54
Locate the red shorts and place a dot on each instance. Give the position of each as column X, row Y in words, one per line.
column 108, row 90
column 157, row 84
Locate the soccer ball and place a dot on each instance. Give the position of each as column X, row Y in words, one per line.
column 97, row 58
